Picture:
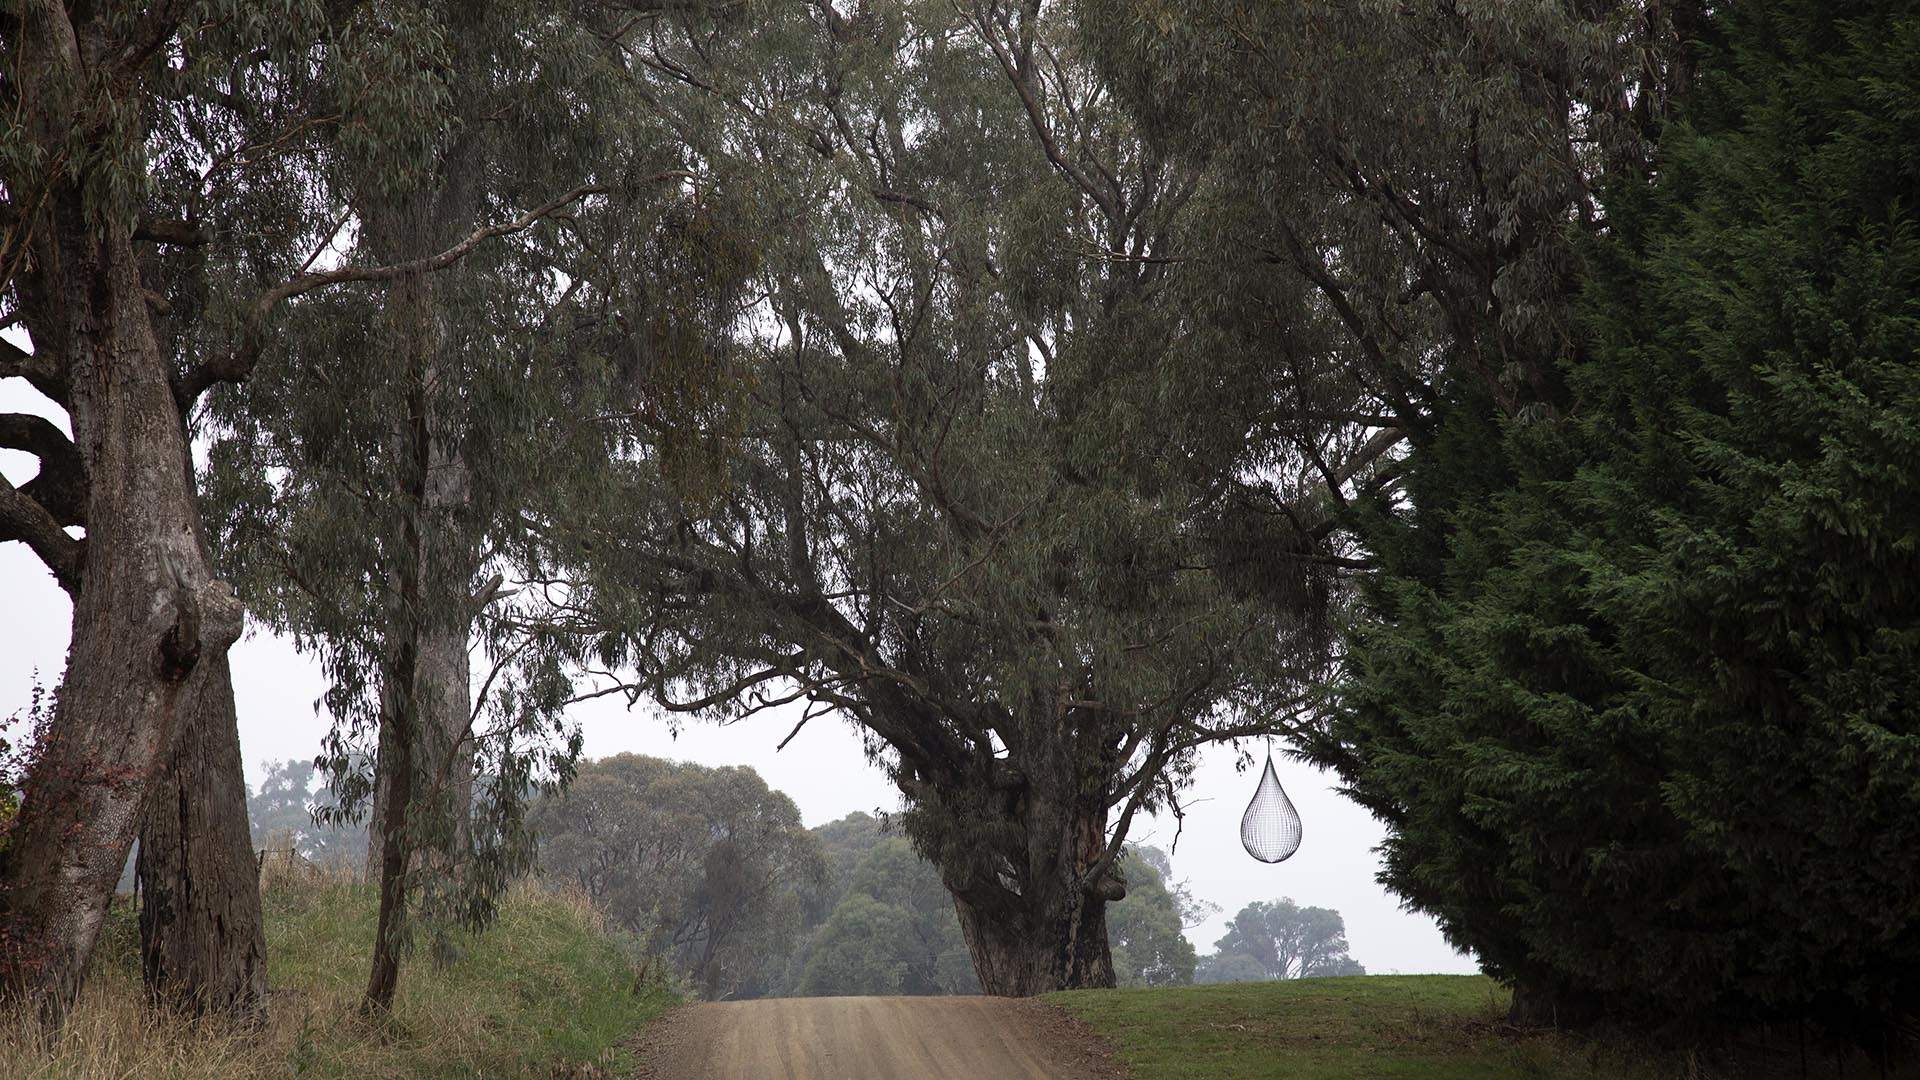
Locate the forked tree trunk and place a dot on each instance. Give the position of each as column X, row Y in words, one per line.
column 1042, row 925
column 1047, row 947
column 382, row 781
column 202, row 943
column 425, row 767
column 148, row 616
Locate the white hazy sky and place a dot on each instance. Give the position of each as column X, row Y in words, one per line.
column 823, row 769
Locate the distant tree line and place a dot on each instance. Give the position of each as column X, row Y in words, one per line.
column 844, row 908
column 713, row 872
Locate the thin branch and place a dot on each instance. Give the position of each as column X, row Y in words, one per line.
column 236, row 365
column 1036, row 113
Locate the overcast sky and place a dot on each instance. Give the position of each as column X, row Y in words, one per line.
column 823, row 770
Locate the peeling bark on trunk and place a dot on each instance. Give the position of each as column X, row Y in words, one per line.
column 443, row 681
column 148, row 616
column 444, row 691
column 202, row 943
column 382, row 794
column 422, row 748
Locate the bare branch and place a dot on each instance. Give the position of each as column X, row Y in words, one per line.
column 27, row 521
column 61, row 486
column 37, row 367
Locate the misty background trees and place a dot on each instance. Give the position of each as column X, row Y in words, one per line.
column 720, row 885
column 714, row 874
column 1280, row 940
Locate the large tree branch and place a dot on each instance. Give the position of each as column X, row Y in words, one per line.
column 61, row 486
column 1036, row 114
column 37, row 367
column 27, row 521
column 1369, row 452
column 236, row 365
column 171, row 231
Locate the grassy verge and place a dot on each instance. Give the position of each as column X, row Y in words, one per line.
column 545, row 992
column 1433, row 1027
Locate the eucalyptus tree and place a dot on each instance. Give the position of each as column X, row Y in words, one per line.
column 389, row 467
column 1286, row 940
column 892, row 932
column 1401, row 196
column 160, row 204
column 1149, row 945
column 949, row 513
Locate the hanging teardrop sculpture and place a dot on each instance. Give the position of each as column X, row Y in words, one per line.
column 1270, row 829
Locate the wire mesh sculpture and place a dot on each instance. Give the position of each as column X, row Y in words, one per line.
column 1270, row 829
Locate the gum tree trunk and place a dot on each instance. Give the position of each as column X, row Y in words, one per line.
column 1060, row 945
column 423, row 786
column 148, row 616
column 443, row 689
column 151, row 622
column 1040, row 924
column 397, row 765
column 425, row 777
column 202, row 943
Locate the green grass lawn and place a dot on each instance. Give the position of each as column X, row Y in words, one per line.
column 1430, row 1027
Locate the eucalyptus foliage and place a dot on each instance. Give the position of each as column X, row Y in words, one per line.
column 393, row 463
column 1394, row 201
column 1150, row 947
column 892, row 931
column 949, row 513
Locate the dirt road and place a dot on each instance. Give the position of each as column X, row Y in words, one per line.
column 873, row 1038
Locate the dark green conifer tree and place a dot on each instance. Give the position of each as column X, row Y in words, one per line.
column 1636, row 690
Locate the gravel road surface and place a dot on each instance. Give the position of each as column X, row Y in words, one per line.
column 873, row 1038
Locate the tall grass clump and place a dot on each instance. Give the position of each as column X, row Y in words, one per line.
column 548, row 990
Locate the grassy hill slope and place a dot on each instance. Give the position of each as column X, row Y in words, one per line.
column 546, row 992
column 1380, row 1027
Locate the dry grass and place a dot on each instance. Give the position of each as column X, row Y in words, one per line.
column 548, row 991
